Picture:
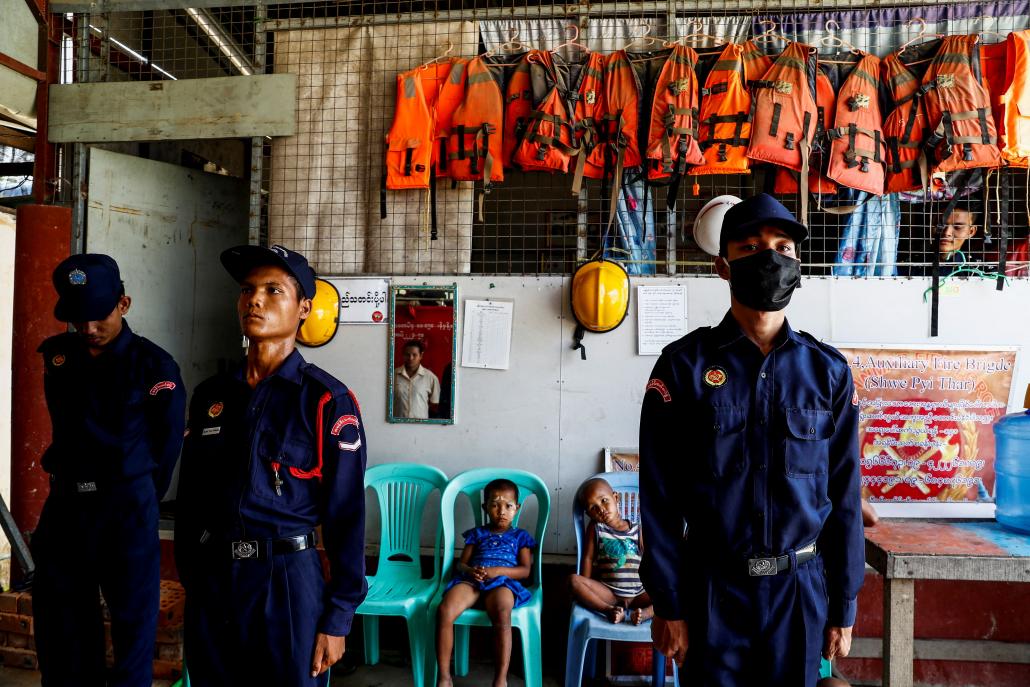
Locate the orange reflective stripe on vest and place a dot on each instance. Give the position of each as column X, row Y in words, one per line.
column 756, row 63
column 825, row 107
column 588, row 95
column 905, row 128
column 672, row 135
column 547, row 143
column 857, row 147
column 725, row 119
column 958, row 109
column 474, row 144
column 1016, row 100
column 426, row 100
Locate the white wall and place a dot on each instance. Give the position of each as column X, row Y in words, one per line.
column 551, row 413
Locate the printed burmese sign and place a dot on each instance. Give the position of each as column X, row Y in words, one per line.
column 926, row 417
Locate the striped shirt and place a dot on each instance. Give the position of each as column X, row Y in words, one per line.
column 618, row 559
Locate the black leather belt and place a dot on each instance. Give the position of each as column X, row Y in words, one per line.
column 774, row 565
column 254, row 549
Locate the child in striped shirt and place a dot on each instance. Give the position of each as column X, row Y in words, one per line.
column 609, row 577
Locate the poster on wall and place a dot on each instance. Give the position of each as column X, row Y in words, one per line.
column 363, row 301
column 926, row 421
column 661, row 316
column 486, row 334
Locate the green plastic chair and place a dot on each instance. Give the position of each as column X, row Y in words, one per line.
column 398, row 588
column 525, row 619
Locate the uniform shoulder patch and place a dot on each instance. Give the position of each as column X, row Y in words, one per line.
column 58, row 360
column 659, row 386
column 160, row 386
column 343, row 421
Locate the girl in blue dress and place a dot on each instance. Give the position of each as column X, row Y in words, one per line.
column 496, row 556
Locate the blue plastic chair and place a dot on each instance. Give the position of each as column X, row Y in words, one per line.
column 398, row 588
column 584, row 624
column 526, row 619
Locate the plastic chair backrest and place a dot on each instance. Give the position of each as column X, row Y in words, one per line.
column 471, row 483
column 403, row 489
column 627, row 484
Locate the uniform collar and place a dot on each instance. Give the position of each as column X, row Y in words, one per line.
column 729, row 332
column 290, row 370
column 121, row 342
column 403, row 371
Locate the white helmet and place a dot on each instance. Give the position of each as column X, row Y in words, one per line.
column 708, row 223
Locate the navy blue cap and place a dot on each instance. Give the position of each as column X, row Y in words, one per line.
column 757, row 211
column 240, row 260
column 88, row 287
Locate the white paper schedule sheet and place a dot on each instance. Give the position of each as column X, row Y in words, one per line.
column 661, row 316
column 486, row 334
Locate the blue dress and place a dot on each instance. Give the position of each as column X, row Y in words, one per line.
column 496, row 550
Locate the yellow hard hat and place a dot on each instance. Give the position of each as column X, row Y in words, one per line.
column 600, row 298
column 320, row 327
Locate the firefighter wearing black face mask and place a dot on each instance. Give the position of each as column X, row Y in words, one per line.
column 748, row 435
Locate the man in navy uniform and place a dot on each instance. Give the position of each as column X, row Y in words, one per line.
column 117, row 407
column 273, row 451
column 749, row 438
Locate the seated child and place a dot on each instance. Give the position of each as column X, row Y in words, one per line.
column 609, row 579
column 495, row 557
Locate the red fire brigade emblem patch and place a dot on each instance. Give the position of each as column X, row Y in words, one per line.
column 216, row 409
column 161, row 385
column 343, row 422
column 715, row 377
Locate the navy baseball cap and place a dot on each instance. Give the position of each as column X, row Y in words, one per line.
column 240, row 260
column 88, row 287
column 757, row 211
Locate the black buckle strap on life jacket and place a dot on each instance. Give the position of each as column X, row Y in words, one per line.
column 850, row 155
column 408, row 152
column 985, row 134
column 774, row 124
column 716, row 89
column 461, row 141
column 961, row 181
column 894, row 154
column 443, row 154
column 1003, row 234
column 877, row 145
column 673, row 194
column 909, row 125
column 382, row 197
column 432, row 206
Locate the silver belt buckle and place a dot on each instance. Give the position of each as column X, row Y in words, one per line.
column 761, row 567
column 85, row 487
column 244, row 549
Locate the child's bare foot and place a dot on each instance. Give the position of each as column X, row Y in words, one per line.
column 640, row 615
column 615, row 614
column 442, row 681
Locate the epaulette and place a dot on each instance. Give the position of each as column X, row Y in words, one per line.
column 333, row 385
column 684, row 340
column 824, row 347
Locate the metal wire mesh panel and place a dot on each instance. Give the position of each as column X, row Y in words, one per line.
column 320, row 191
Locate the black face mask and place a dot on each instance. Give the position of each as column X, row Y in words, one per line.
column 765, row 281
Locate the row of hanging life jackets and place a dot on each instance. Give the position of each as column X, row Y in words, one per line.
column 948, row 104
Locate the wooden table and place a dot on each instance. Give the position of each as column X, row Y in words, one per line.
column 904, row 551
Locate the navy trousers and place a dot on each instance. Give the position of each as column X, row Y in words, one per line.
column 253, row 622
column 102, row 541
column 757, row 630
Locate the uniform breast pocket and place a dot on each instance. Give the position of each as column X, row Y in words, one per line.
column 723, row 439
column 807, row 443
column 280, row 458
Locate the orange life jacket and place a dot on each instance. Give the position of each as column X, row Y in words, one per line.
column 725, row 117
column 785, row 110
column 1016, row 100
column 825, row 105
column 621, row 113
column 672, row 135
column 756, row 63
column 547, row 142
column 417, row 142
column 992, row 67
column 857, row 150
column 588, row 97
column 905, row 128
column 518, row 103
column 475, row 142
column 958, row 109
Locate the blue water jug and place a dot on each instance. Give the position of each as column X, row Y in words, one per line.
column 1012, row 465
